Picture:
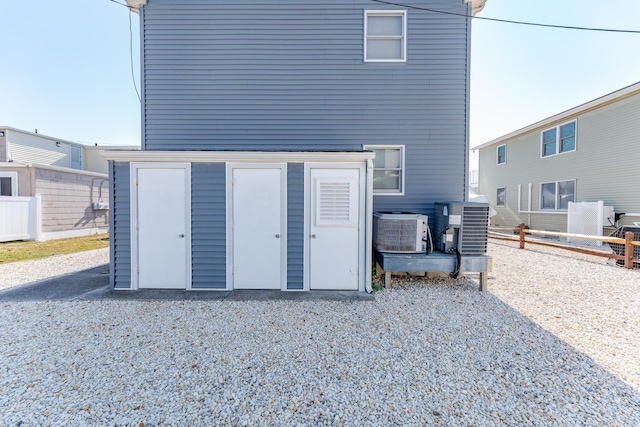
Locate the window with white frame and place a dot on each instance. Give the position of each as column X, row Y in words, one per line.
column 8, row 183
column 501, row 154
column 388, row 169
column 559, row 139
column 501, row 196
column 557, row 195
column 385, row 36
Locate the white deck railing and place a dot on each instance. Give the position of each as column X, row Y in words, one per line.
column 20, row 218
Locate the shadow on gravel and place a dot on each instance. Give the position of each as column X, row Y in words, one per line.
column 63, row 288
column 93, row 284
column 432, row 353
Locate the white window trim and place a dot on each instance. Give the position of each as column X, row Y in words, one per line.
column 403, row 170
column 505, row 197
column 14, row 181
column 555, row 199
column 402, row 13
column 557, row 128
column 498, row 154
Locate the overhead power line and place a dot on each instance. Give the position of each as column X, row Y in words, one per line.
column 133, row 76
column 121, row 4
column 508, row 21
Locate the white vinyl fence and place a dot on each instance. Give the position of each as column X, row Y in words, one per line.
column 20, row 218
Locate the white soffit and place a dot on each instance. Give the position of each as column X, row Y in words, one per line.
column 236, row 156
column 135, row 4
column 476, row 5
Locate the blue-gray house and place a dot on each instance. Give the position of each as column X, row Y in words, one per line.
column 272, row 130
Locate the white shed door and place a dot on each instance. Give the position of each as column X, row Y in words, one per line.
column 162, row 222
column 334, row 244
column 257, row 228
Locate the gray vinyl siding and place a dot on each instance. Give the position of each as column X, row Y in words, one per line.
column 604, row 166
column 248, row 75
column 295, row 226
column 208, row 226
column 120, row 234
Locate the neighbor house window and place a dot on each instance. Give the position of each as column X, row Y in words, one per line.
column 388, row 169
column 557, row 195
column 502, row 154
column 501, row 197
column 8, row 183
column 76, row 157
column 560, row 139
column 385, row 36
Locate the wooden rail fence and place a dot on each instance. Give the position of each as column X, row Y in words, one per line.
column 628, row 242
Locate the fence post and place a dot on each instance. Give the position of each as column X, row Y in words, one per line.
column 522, row 236
column 628, row 250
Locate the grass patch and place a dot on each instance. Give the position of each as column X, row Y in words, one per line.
column 23, row 251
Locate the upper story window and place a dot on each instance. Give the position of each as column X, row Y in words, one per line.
column 8, row 183
column 559, row 139
column 388, row 169
column 501, row 154
column 385, row 36
column 557, row 195
column 501, row 196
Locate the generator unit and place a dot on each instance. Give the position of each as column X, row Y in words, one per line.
column 400, row 232
column 461, row 226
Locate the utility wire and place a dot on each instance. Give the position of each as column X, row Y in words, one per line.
column 508, row 21
column 121, row 4
column 133, row 77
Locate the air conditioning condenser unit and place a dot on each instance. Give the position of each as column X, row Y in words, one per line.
column 400, row 232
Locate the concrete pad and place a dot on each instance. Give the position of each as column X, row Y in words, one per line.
column 93, row 284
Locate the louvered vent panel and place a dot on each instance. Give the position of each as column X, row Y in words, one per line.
column 334, row 203
column 475, row 223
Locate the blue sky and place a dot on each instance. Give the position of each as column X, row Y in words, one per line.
column 66, row 69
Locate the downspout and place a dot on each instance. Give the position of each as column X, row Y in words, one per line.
column 467, row 100
column 369, row 225
column 143, row 125
column 529, row 207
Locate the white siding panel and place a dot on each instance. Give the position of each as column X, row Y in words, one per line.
column 27, row 148
column 605, row 165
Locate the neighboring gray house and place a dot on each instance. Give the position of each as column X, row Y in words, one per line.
column 260, row 125
column 586, row 154
column 50, row 188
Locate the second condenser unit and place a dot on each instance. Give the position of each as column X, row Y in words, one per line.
column 461, row 226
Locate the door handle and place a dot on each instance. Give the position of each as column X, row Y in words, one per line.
column 313, row 236
column 181, row 235
column 277, row 236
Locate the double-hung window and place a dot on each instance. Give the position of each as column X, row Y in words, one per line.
column 557, row 195
column 501, row 196
column 388, row 169
column 501, row 154
column 8, row 183
column 559, row 139
column 385, row 36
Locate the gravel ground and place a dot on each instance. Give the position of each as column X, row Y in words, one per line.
column 18, row 273
column 427, row 352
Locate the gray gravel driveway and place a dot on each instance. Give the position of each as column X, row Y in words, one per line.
column 427, row 352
